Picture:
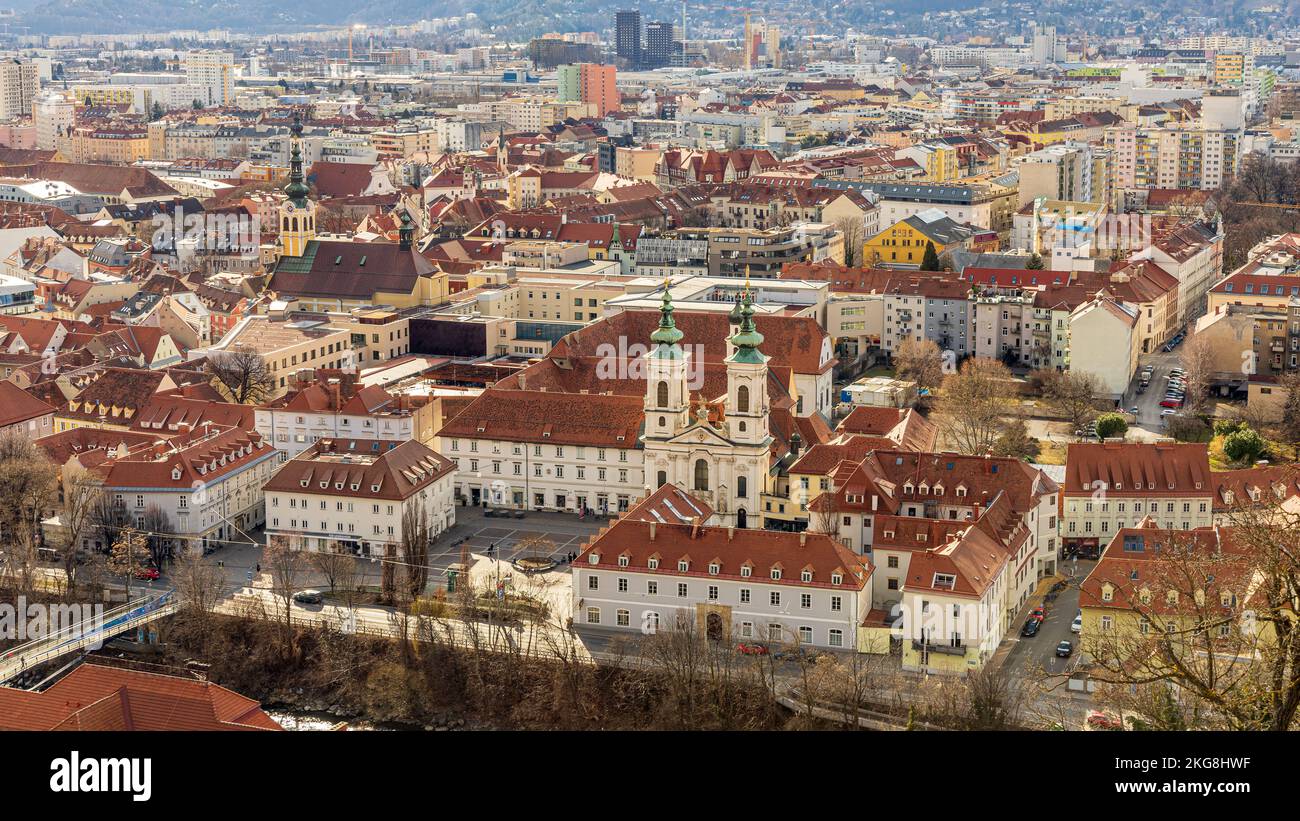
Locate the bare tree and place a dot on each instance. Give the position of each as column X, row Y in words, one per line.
column 199, row 585
column 1076, row 395
column 336, row 567
column 81, row 495
column 1210, row 619
column 28, row 490
column 920, row 361
column 243, row 375
column 854, row 236
column 414, row 549
column 973, row 404
column 1288, row 428
column 157, row 526
column 285, row 567
column 1198, row 362
column 108, row 519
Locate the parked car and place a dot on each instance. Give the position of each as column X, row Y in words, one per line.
column 1076, row 626
column 1097, row 720
column 1134, row 410
column 1065, row 649
column 1169, row 402
column 751, row 649
column 1169, row 412
column 309, row 597
column 1038, row 613
column 147, row 574
column 1031, row 627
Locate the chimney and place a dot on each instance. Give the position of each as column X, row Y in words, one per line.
column 652, row 531
column 731, row 532
column 803, row 538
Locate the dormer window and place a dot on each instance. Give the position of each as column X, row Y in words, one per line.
column 837, row 578
column 805, row 576
column 746, row 571
column 1107, row 593
column 654, row 564
column 946, row 581
column 683, row 566
column 776, row 573
column 593, row 558
column 374, row 488
column 622, row 561
column 714, row 568
column 176, row 474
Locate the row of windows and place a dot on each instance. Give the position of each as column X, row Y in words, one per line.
column 651, row 621
column 713, row 593
column 517, row 450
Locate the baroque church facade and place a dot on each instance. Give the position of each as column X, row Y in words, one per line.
column 719, row 450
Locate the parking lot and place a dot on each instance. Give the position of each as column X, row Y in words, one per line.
column 566, row 532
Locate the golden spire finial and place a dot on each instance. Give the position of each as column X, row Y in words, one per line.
column 746, row 276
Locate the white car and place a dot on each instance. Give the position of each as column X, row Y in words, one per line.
column 1076, row 626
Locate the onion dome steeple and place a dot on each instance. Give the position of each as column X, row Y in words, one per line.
column 296, row 190
column 667, row 335
column 747, row 338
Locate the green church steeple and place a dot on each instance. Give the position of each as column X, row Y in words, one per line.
column 747, row 338
column 296, row 190
column 667, row 335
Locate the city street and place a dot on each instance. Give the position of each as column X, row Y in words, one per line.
column 1149, row 420
column 1033, row 655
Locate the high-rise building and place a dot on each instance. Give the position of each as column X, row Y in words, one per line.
column 589, row 83
column 762, row 45
column 627, row 36
column 17, row 88
column 660, row 44
column 1046, row 47
column 53, row 114
column 214, row 72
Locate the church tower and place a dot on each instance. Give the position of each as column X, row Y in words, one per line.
column 666, row 365
column 747, row 405
column 297, row 213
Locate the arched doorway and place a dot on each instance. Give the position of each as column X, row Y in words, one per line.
column 713, row 627
column 742, row 518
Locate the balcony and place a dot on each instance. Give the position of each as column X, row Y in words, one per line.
column 945, row 649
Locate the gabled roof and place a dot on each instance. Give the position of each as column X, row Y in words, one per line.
column 97, row 697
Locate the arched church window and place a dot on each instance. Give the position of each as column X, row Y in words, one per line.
column 742, row 399
column 662, row 478
column 701, row 474
column 661, row 395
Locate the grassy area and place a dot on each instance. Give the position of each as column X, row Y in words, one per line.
column 880, row 370
column 1278, row 452
column 1051, row 453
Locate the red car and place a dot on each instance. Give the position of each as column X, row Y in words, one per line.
column 1038, row 614
column 147, row 574
column 1171, row 403
column 751, row 649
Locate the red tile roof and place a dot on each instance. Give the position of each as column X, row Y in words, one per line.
column 639, row 540
column 1138, row 469
column 97, row 697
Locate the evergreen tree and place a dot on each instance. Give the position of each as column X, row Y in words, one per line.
column 930, row 262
